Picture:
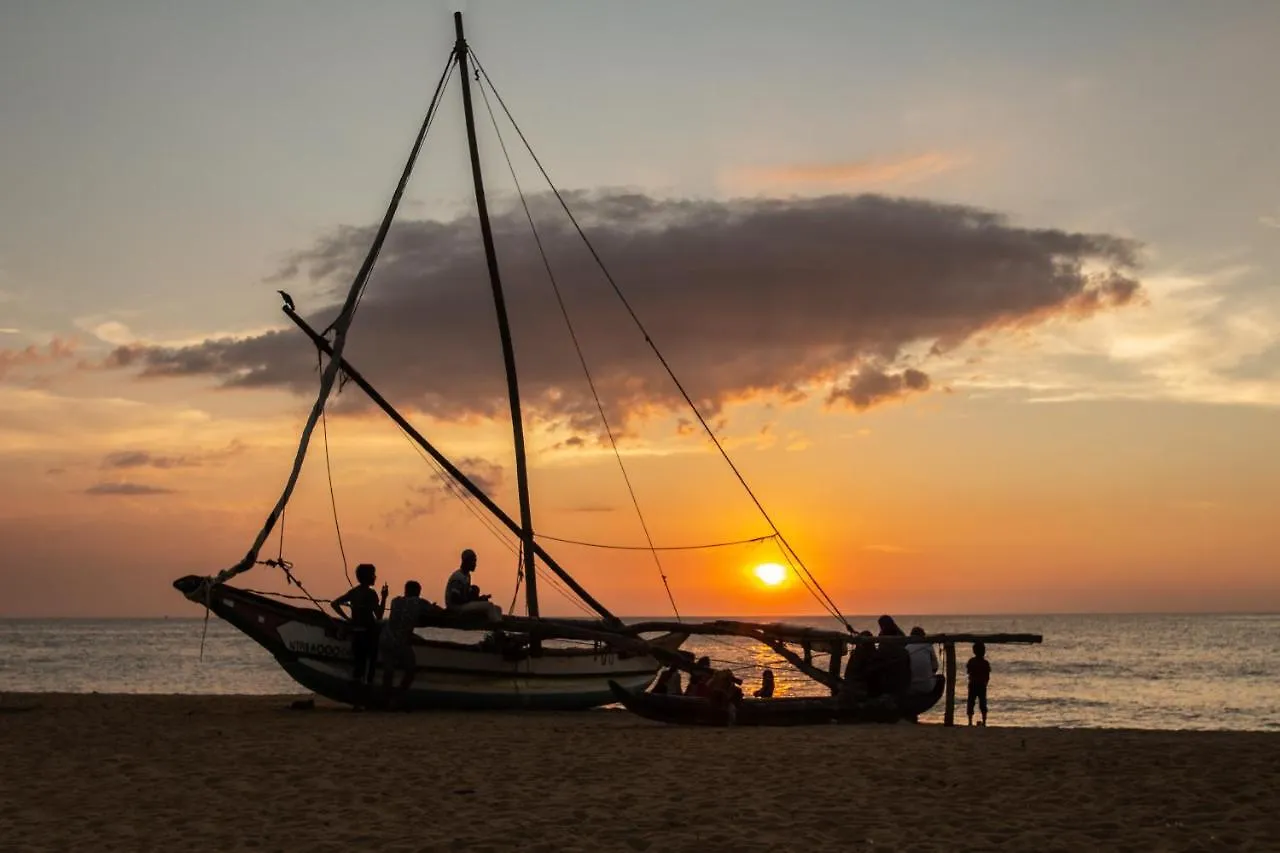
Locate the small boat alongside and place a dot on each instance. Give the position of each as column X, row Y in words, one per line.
column 780, row 711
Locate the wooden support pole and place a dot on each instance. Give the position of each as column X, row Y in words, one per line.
column 950, row 718
column 833, row 667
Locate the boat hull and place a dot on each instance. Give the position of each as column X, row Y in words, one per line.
column 315, row 650
column 783, row 711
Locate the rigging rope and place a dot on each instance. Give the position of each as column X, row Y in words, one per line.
column 577, row 346
column 287, row 567
column 333, row 499
column 821, row 595
column 456, row 491
column 287, row 596
column 500, row 533
column 515, row 593
column 652, row 547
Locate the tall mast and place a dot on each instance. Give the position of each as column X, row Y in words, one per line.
column 504, row 327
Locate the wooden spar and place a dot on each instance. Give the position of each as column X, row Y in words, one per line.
column 504, row 328
column 949, row 716
column 449, row 467
column 804, row 665
column 799, row 633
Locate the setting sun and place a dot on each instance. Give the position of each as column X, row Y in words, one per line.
column 771, row 574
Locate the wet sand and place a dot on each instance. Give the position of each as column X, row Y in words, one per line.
column 142, row 773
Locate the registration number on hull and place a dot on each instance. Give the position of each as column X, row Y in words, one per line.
column 322, row 650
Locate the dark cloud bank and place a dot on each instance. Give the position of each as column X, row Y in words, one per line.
column 743, row 297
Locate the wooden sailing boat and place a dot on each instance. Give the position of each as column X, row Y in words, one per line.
column 514, row 667
column 513, row 672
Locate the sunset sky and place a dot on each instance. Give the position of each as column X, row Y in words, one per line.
column 981, row 297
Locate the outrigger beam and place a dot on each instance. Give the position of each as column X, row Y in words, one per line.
column 821, row 637
column 462, row 479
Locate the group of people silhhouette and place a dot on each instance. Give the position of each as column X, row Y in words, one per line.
column 389, row 641
column 903, row 669
column 874, row 669
column 889, row 669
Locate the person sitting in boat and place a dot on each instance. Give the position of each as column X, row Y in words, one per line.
column 892, row 674
column 765, row 690
column 462, row 596
column 723, row 687
column 860, row 669
column 924, row 667
column 408, row 611
column 366, row 612
column 924, row 663
column 699, row 679
column 668, row 682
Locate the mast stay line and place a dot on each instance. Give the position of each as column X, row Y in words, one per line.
column 788, row 552
column 340, row 326
column 462, row 479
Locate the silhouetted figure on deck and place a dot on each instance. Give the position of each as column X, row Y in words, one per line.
column 765, row 691
column 924, row 663
column 979, row 670
column 462, row 596
column 699, row 679
column 924, row 666
column 668, row 682
column 859, row 672
column 366, row 612
column 892, row 674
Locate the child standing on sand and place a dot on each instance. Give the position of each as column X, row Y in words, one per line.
column 979, row 670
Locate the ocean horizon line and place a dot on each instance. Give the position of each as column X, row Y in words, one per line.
column 735, row 616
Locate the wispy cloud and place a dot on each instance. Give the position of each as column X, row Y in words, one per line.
column 1211, row 338
column 857, row 174
column 57, row 350
column 126, row 489
column 113, row 329
column 147, row 459
column 426, row 499
column 1270, row 221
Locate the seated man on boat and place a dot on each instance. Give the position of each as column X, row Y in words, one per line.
column 462, row 596
column 924, row 663
column 859, row 672
column 892, row 671
column 700, row 678
column 924, row 667
column 668, row 682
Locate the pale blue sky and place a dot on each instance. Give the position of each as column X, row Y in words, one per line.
column 159, row 159
column 162, row 157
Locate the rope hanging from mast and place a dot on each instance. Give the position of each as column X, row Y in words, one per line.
column 333, row 498
column 798, row 565
column 577, row 346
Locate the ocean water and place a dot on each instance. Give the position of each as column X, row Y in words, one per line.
column 1113, row 671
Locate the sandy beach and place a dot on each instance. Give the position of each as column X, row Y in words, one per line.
column 98, row 772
